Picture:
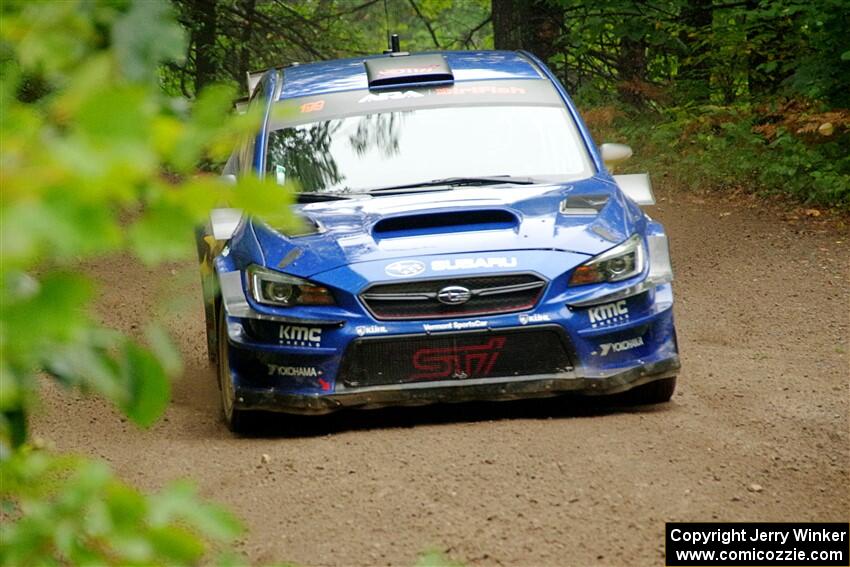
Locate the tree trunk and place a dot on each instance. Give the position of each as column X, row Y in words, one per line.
column 204, row 39
column 533, row 25
column 631, row 69
column 244, row 61
column 507, row 16
column 695, row 68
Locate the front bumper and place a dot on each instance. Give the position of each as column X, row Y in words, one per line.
column 484, row 389
column 615, row 336
column 613, row 347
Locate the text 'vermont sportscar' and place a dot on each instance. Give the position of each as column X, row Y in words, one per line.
column 465, row 241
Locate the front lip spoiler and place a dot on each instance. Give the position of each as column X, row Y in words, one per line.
column 404, row 395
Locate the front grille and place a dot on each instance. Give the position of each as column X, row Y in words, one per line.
column 425, row 358
column 489, row 295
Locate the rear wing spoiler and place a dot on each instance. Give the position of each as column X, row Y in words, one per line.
column 240, row 105
column 252, row 79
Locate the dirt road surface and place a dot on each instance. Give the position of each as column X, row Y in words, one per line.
column 758, row 429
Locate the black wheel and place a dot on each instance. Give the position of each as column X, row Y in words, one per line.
column 655, row 392
column 237, row 420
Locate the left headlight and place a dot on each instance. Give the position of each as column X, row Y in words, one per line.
column 282, row 290
column 622, row 262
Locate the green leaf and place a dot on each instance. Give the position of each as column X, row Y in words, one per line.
column 145, row 36
column 162, row 234
column 148, row 387
column 164, row 349
column 133, row 547
column 116, row 115
column 212, row 106
column 176, row 544
column 53, row 313
column 266, row 200
column 86, row 366
column 435, row 559
column 179, row 502
column 11, row 393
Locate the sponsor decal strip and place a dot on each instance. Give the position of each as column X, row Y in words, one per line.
column 441, row 91
column 392, row 95
column 454, row 325
column 525, row 319
column 300, row 371
column 606, row 348
column 410, row 268
column 296, row 335
column 608, row 314
column 407, row 71
column 405, row 268
column 473, row 263
column 370, row 330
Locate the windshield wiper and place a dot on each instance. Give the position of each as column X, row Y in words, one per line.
column 461, row 181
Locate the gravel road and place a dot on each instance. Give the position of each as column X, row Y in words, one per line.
column 758, row 429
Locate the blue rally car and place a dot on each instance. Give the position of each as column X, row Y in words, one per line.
column 464, row 240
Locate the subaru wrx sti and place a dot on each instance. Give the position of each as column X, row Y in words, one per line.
column 465, row 240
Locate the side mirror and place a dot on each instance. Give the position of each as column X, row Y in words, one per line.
column 224, row 222
column 615, row 153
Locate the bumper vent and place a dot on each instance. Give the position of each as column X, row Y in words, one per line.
column 436, row 299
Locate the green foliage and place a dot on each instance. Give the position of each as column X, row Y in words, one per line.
column 802, row 46
column 700, row 79
column 144, row 37
column 96, row 160
column 74, row 512
column 83, row 175
column 230, row 37
column 435, row 559
column 720, row 52
column 716, row 147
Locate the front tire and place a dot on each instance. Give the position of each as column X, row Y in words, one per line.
column 237, row 420
column 655, row 392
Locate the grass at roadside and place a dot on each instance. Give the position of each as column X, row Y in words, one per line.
column 790, row 149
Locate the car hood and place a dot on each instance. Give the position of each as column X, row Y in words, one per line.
column 562, row 217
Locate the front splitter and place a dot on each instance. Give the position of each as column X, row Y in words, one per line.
column 455, row 391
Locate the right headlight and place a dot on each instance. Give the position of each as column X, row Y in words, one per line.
column 275, row 288
column 622, row 262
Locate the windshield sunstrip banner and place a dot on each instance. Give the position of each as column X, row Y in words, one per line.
column 331, row 106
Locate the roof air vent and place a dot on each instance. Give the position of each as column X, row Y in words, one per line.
column 387, row 72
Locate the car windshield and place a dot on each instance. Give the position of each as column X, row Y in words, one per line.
column 363, row 152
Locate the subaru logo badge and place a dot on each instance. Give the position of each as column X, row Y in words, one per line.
column 454, row 295
column 405, row 268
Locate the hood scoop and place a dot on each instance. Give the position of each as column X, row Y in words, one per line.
column 445, row 222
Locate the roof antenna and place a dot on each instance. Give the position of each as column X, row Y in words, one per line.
column 395, row 47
